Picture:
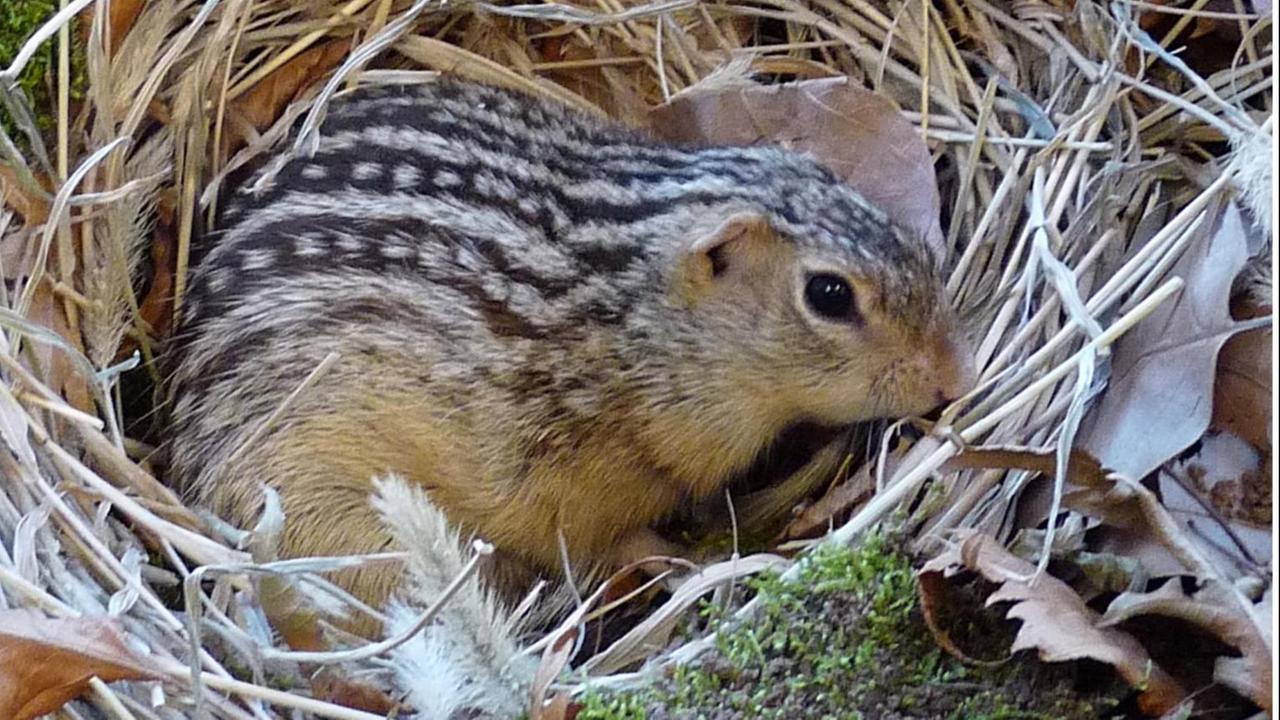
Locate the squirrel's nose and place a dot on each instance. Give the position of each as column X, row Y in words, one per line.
column 955, row 370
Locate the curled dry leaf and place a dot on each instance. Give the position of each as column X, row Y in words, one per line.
column 1055, row 621
column 543, row 705
column 858, row 134
column 1154, row 526
column 1083, row 468
column 844, row 497
column 935, row 594
column 33, row 208
column 1214, row 609
column 17, row 252
column 281, row 596
column 46, row 662
column 1138, row 525
column 559, row 648
column 1161, row 391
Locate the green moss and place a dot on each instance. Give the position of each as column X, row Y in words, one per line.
column 847, row 641
column 18, row 20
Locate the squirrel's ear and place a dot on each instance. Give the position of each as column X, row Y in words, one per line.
column 737, row 248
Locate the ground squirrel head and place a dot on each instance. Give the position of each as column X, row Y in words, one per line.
column 834, row 319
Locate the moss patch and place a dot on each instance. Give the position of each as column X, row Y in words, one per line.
column 848, row 641
column 18, row 20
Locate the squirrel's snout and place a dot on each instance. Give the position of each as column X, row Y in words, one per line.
column 954, row 369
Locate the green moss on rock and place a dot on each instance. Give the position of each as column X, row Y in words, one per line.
column 847, row 641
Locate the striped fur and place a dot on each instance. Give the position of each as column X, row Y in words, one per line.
column 496, row 274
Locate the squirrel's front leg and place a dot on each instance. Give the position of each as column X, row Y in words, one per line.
column 769, row 506
column 643, row 544
column 760, row 509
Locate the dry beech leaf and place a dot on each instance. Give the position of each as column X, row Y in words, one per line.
column 46, row 662
column 1212, row 609
column 1055, row 621
column 1161, row 391
column 858, row 134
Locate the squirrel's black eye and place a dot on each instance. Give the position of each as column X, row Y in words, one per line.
column 830, row 296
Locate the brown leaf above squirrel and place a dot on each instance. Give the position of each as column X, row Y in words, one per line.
column 561, row 329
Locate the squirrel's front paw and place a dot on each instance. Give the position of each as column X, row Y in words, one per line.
column 654, row 553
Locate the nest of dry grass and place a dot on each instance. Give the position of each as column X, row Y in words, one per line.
column 1077, row 161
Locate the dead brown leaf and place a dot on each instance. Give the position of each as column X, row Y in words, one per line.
column 17, row 252
column 1126, row 533
column 1242, row 392
column 285, row 604
column 1083, row 468
column 858, row 134
column 327, row 684
column 264, row 102
column 542, row 705
column 52, row 363
column 1213, row 609
column 818, row 517
column 33, row 208
column 121, row 16
column 1055, row 621
column 156, row 307
column 1161, row 392
column 46, row 662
